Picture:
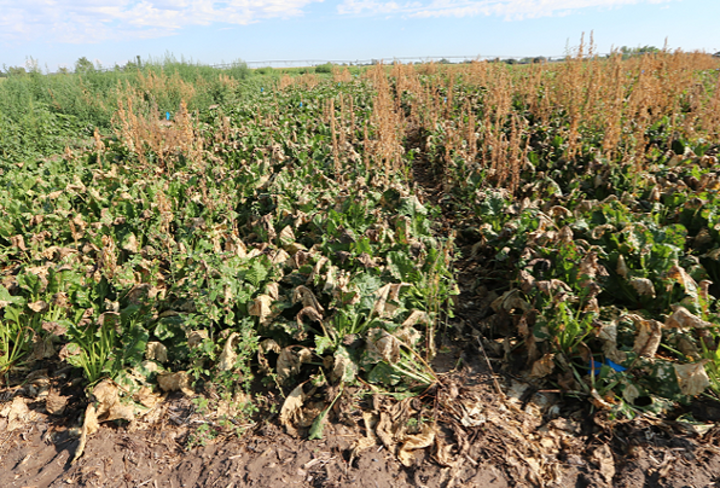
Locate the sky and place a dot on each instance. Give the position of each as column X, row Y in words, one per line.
column 55, row 33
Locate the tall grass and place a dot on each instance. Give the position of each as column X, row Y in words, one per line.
column 41, row 114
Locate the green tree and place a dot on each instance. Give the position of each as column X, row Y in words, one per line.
column 84, row 65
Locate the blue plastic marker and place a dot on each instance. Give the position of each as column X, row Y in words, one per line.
column 300, row 104
column 167, row 115
column 262, row 89
column 614, row 366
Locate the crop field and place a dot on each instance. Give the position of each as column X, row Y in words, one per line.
column 225, row 234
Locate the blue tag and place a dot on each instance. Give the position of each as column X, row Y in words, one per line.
column 167, row 115
column 614, row 366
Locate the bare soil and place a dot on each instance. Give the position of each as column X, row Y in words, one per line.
column 517, row 437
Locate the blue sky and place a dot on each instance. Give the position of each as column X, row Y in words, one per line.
column 58, row 32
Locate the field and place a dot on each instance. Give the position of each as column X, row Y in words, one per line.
column 416, row 254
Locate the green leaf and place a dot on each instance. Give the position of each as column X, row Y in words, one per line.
column 257, row 272
column 402, row 268
column 318, row 425
column 6, row 298
column 384, row 374
column 322, row 344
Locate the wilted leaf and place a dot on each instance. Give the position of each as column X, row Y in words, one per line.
column 130, row 243
column 292, row 408
column 286, row 236
column 90, row 426
column 418, row 441
column 590, row 268
column 621, row 267
column 55, row 403
column 227, row 358
column 678, row 274
column 643, row 287
column 692, row 377
column 175, row 381
column 682, row 318
column 344, row 368
column 382, row 346
column 305, row 296
column 603, row 459
column 408, row 335
column 156, row 351
column 384, row 431
column 290, row 361
column 196, row 337
column 630, row 393
column 38, row 307
column 18, row 241
column 260, row 307
column 608, row 336
column 510, row 300
column 146, row 397
column 310, row 313
column 648, row 337
column 17, row 413
column 281, row 257
column 273, row 290
column 543, row 366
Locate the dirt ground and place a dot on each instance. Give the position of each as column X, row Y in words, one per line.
column 520, row 437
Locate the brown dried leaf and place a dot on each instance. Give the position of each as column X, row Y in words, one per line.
column 292, row 409
column 649, row 335
column 602, row 457
column 692, row 377
column 130, row 244
column 290, row 361
column 543, row 366
column 621, row 267
column 18, row 241
column 682, row 318
column 509, row 301
column 273, row 290
column 175, row 381
column 417, row 317
column 424, row 439
column 156, row 351
column 55, row 403
column 281, row 257
column 17, row 413
column 146, row 397
column 384, row 431
column 643, row 286
column 54, row 328
column 304, row 295
column 90, row 426
column 38, row 307
column 286, row 236
column 608, row 335
column 382, row 346
column 261, row 308
column 227, row 358
column 196, row 337
column 308, row 313
column 527, row 281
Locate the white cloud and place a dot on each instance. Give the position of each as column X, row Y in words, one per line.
column 509, row 9
column 81, row 21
